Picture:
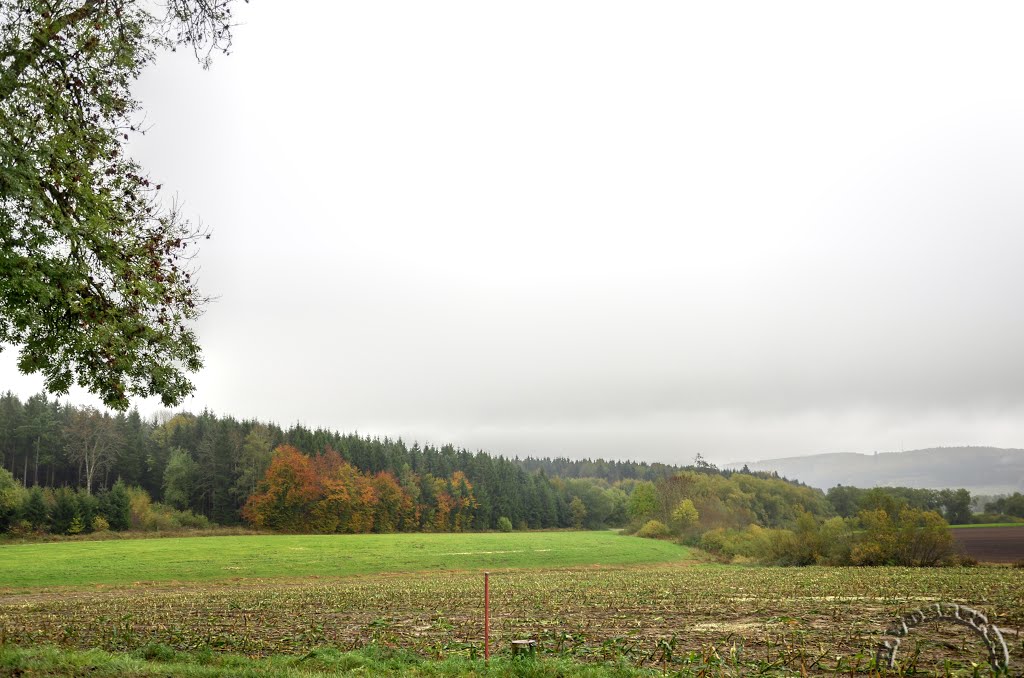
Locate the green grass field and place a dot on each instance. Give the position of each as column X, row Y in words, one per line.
column 970, row 525
column 159, row 661
column 272, row 556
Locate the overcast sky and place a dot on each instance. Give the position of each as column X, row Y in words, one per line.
column 620, row 229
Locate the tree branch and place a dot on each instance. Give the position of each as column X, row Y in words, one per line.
column 41, row 39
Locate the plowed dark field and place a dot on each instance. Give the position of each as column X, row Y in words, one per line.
column 992, row 544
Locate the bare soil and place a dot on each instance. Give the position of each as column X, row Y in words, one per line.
column 992, row 544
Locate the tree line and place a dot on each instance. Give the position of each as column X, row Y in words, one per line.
column 210, row 466
column 66, row 469
column 752, row 516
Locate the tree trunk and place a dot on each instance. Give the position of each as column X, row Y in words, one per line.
column 90, row 468
column 35, row 474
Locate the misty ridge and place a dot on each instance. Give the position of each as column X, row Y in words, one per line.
column 981, row 470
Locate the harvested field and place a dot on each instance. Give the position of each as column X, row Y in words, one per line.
column 992, row 544
column 288, row 596
column 756, row 620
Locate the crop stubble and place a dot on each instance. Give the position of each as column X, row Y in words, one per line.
column 815, row 618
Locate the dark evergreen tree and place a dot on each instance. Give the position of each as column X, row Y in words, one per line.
column 115, row 506
column 34, row 510
column 87, row 509
column 65, row 511
column 10, row 421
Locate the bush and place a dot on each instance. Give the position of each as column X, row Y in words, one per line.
column 21, row 528
column 653, row 529
column 963, row 560
column 163, row 518
column 753, row 542
column 915, row 538
column 100, row 524
column 188, row 519
column 158, row 519
column 504, row 524
column 924, row 538
column 723, row 543
column 836, row 539
column 784, row 547
column 138, row 507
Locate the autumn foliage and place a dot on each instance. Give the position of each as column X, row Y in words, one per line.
column 327, row 494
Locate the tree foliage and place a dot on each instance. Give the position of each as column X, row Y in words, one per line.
column 954, row 505
column 210, row 465
column 913, row 538
column 686, row 514
column 1011, row 505
column 643, row 500
column 10, row 499
column 184, row 470
column 327, row 494
column 578, row 511
column 95, row 284
column 180, row 476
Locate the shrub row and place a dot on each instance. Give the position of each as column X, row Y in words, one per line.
column 64, row 511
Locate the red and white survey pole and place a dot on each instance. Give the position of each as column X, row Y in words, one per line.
column 487, row 616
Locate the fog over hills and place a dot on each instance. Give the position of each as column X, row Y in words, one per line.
column 982, row 470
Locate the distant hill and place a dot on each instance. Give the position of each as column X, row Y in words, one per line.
column 982, row 470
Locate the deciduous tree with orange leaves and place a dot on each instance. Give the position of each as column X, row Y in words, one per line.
column 287, row 495
column 327, row 494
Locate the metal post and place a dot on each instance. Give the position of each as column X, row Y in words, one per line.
column 487, row 616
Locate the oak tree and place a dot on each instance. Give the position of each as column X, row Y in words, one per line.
column 95, row 282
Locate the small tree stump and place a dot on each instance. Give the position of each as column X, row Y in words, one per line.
column 524, row 648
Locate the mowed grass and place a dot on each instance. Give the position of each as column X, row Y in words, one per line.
column 273, row 556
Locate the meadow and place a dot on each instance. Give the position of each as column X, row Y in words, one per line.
column 203, row 559
column 655, row 610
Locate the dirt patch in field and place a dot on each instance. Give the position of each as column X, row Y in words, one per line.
column 992, row 544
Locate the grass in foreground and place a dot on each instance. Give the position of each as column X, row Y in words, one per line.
column 273, row 556
column 162, row 661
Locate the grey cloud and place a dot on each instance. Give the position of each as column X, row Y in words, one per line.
column 677, row 229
